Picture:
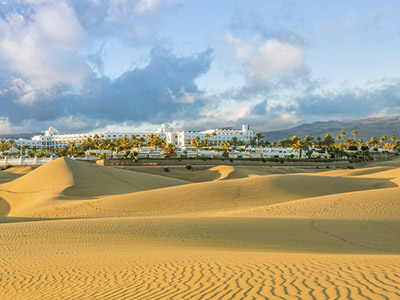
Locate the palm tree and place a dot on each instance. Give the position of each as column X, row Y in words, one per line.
column 299, row 145
column 196, row 143
column 96, row 141
column 225, row 145
column 151, row 139
column 125, row 143
column 133, row 140
column 342, row 134
column 141, row 141
column 170, row 150
column 309, row 140
column 319, row 142
column 72, row 149
column 11, row 144
column 328, row 141
column 234, row 141
column 26, row 148
column 294, row 139
column 338, row 138
column 373, row 141
column 163, row 143
column 392, row 137
column 3, row 146
column 87, row 144
column 213, row 134
column 354, row 133
column 383, row 139
column 207, row 136
column 112, row 147
column 259, row 136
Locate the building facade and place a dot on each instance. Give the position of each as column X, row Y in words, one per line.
column 214, row 136
column 53, row 139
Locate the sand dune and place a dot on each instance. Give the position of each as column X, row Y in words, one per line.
column 363, row 205
column 208, row 198
column 20, row 169
column 6, row 176
column 356, row 172
column 389, row 172
column 82, row 179
column 82, row 231
column 66, row 178
column 210, row 173
column 195, row 174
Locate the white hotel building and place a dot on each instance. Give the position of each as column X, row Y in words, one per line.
column 184, row 138
column 53, row 139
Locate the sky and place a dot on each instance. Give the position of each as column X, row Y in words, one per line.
column 130, row 65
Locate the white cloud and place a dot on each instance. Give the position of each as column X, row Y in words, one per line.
column 26, row 93
column 41, row 48
column 242, row 49
column 183, row 96
column 57, row 24
column 4, row 125
column 120, row 9
column 382, row 113
column 72, row 123
column 273, row 58
column 141, row 33
column 145, row 6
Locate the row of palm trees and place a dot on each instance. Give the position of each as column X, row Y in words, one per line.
column 9, row 145
column 351, row 143
column 341, row 144
column 119, row 144
column 328, row 143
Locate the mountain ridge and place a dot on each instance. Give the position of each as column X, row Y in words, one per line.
column 366, row 128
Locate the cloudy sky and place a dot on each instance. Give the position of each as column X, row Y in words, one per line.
column 82, row 65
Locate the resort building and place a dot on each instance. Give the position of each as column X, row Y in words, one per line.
column 214, row 136
column 53, row 139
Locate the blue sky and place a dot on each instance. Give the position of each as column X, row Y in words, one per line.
column 82, row 65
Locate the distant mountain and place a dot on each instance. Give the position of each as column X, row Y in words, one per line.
column 16, row 136
column 366, row 128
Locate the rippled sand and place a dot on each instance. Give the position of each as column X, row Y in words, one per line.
column 71, row 230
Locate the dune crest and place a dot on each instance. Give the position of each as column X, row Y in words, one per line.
column 207, row 198
column 65, row 178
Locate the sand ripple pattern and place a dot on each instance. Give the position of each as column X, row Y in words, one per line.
column 197, row 275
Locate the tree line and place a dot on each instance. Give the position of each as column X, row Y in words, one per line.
column 328, row 143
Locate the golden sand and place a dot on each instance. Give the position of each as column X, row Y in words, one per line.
column 73, row 230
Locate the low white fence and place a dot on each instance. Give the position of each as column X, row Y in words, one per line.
column 25, row 161
column 34, row 161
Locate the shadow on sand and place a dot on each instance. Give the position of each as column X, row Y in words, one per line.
column 4, row 207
